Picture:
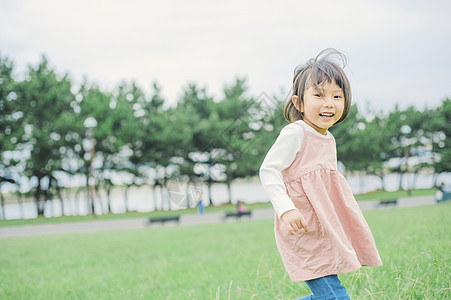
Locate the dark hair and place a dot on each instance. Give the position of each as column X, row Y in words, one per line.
column 315, row 72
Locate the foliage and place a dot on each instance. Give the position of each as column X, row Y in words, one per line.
column 439, row 129
column 142, row 140
column 11, row 116
column 368, row 143
column 45, row 100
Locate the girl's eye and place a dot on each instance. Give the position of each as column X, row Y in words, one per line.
column 317, row 95
column 337, row 97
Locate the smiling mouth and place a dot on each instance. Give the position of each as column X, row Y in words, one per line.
column 327, row 115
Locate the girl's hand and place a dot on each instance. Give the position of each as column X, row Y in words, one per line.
column 294, row 221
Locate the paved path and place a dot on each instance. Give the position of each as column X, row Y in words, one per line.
column 140, row 223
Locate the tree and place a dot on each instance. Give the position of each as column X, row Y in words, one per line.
column 163, row 134
column 241, row 120
column 404, row 134
column 376, row 145
column 115, row 135
column 205, row 126
column 438, row 131
column 361, row 143
column 45, row 98
column 11, row 114
column 269, row 126
column 11, row 125
column 92, row 102
column 344, row 134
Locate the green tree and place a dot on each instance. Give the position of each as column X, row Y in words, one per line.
column 11, row 125
column 184, row 121
column 404, row 133
column 272, row 123
column 92, row 102
column 240, row 120
column 361, row 143
column 115, row 135
column 345, row 137
column 45, row 98
column 205, row 126
column 376, row 145
column 438, row 131
column 416, row 142
column 351, row 141
column 11, row 114
column 160, row 138
column 396, row 140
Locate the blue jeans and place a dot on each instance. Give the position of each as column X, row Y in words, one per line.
column 326, row 288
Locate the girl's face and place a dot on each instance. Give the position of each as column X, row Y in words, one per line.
column 322, row 108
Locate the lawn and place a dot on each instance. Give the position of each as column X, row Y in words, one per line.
column 384, row 195
column 231, row 260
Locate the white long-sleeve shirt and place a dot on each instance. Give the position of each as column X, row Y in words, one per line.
column 279, row 157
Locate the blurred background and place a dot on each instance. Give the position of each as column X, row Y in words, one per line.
column 108, row 106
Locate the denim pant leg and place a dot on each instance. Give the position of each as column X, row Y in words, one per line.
column 309, row 297
column 327, row 288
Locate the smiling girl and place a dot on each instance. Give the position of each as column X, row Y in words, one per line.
column 320, row 230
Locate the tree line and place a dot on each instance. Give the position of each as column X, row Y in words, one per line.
column 200, row 139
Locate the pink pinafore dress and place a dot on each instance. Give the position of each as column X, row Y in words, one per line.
column 338, row 238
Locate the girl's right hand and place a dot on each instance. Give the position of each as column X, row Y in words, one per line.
column 294, row 221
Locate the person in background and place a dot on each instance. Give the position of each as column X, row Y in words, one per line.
column 240, row 207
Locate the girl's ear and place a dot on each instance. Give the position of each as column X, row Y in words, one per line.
column 295, row 101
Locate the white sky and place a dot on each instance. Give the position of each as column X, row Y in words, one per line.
column 399, row 51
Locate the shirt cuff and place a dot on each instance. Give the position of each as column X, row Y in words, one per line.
column 283, row 205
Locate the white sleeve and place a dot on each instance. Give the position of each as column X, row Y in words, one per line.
column 278, row 158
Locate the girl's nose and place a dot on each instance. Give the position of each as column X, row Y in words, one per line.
column 328, row 102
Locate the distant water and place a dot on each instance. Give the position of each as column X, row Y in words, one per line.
column 144, row 199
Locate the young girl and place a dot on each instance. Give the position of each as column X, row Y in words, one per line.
column 320, row 230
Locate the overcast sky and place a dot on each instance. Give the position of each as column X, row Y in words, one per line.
column 399, row 51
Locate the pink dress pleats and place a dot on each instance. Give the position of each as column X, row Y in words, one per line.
column 338, row 239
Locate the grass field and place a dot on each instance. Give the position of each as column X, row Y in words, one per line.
column 231, row 260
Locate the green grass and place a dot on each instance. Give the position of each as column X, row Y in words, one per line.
column 231, row 260
column 384, row 195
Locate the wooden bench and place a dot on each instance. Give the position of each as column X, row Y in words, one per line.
column 163, row 220
column 387, row 203
column 237, row 215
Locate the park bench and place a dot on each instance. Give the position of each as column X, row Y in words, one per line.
column 237, row 215
column 388, row 203
column 163, row 220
